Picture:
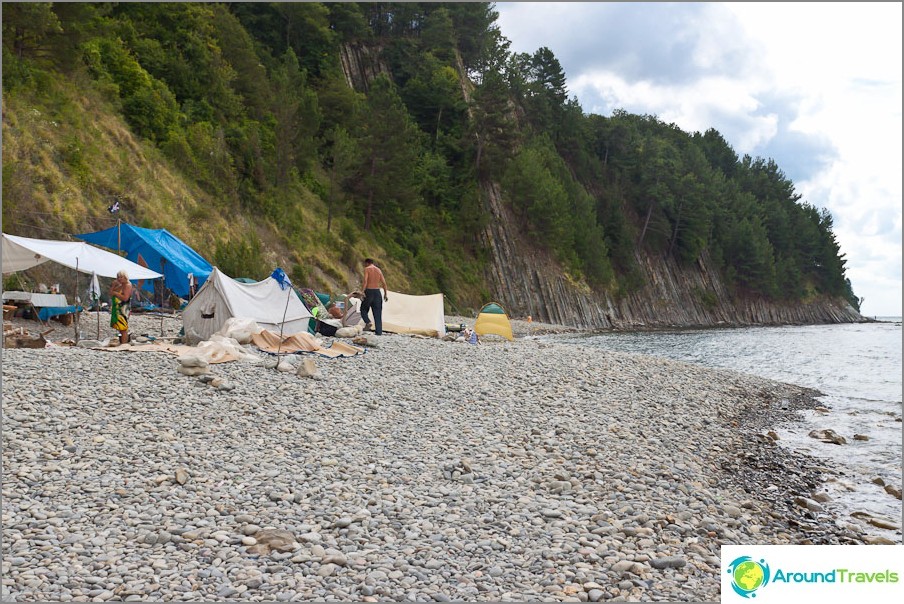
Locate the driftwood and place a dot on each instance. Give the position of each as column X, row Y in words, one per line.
column 25, row 341
column 16, row 337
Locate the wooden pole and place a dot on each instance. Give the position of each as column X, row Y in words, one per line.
column 77, row 300
column 96, row 302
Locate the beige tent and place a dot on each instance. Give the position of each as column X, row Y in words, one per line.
column 422, row 315
column 222, row 297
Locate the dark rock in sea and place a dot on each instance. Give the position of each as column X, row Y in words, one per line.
column 828, row 436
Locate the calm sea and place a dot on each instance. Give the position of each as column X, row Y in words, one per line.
column 856, row 366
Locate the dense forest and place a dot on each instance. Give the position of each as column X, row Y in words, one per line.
column 281, row 157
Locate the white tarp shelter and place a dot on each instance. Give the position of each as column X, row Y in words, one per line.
column 21, row 253
column 422, row 315
column 222, row 298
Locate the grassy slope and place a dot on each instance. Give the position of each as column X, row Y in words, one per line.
column 67, row 156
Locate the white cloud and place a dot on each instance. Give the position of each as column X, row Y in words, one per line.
column 815, row 86
column 692, row 108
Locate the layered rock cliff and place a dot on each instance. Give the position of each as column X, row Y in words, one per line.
column 361, row 64
column 528, row 282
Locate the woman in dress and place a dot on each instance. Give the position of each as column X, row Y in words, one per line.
column 120, row 305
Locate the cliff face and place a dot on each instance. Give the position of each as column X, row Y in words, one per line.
column 528, row 282
column 361, row 64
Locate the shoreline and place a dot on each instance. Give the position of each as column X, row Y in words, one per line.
column 422, row 470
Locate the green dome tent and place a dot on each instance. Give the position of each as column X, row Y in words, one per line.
column 492, row 320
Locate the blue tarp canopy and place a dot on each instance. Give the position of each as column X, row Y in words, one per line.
column 160, row 250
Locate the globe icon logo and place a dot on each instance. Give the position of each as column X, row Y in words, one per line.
column 748, row 575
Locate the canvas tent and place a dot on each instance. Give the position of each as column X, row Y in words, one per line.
column 422, row 315
column 492, row 320
column 160, row 250
column 22, row 253
column 222, row 297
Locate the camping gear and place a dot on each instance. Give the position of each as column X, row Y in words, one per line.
column 21, row 253
column 222, row 297
column 351, row 316
column 314, row 300
column 328, row 327
column 492, row 320
column 316, row 305
column 158, row 249
column 270, row 342
column 282, row 279
column 422, row 315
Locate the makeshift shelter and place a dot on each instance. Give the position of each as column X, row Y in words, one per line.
column 222, row 297
column 492, row 320
column 158, row 249
column 22, row 253
column 423, row 315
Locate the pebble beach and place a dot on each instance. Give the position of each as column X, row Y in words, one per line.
column 422, row 470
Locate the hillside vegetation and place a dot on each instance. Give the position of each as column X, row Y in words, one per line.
column 240, row 128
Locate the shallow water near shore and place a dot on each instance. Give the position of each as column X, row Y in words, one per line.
column 857, row 367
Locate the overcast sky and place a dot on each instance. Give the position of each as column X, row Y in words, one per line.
column 814, row 86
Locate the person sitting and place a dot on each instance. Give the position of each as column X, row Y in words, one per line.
column 335, row 311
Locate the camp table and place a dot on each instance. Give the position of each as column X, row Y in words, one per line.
column 50, row 304
column 37, row 300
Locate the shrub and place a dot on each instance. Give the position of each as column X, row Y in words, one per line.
column 348, row 231
column 299, row 275
column 242, row 259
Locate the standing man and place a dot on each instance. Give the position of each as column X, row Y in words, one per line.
column 373, row 281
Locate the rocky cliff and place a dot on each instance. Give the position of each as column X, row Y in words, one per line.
column 528, row 282
column 361, row 64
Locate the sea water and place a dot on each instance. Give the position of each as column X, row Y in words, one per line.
column 857, row 368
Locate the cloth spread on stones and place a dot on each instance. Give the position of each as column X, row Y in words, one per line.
column 216, row 350
column 268, row 341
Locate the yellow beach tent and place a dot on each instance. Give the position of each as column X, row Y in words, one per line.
column 493, row 320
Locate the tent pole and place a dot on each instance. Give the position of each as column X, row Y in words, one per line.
column 119, row 235
column 77, row 300
column 96, row 294
column 158, row 288
column 281, row 325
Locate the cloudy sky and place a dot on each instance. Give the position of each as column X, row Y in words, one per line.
column 814, row 86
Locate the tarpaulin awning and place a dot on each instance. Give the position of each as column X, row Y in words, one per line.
column 21, row 253
column 158, row 249
column 422, row 315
